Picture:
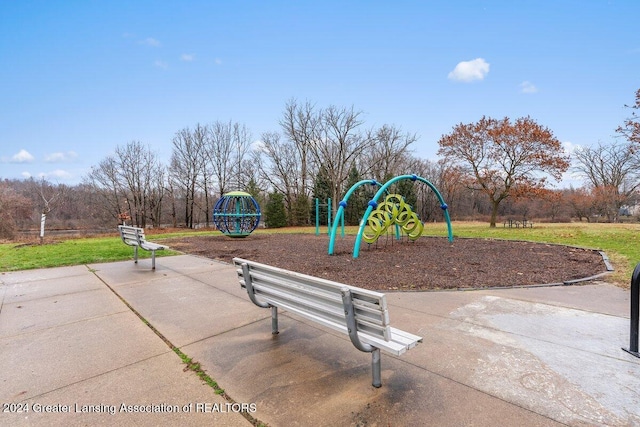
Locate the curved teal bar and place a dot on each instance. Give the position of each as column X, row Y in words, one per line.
column 340, row 212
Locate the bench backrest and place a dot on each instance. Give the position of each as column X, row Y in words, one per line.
column 132, row 236
column 318, row 299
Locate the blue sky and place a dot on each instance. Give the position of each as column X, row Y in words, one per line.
column 78, row 78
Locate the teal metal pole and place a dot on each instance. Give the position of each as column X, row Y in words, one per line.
column 332, row 236
column 329, row 215
column 317, row 218
column 363, row 223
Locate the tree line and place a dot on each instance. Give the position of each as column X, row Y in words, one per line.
column 488, row 169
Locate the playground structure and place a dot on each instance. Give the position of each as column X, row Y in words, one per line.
column 393, row 211
column 328, row 206
column 236, row 214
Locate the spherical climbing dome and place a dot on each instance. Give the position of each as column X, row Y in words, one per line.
column 236, row 214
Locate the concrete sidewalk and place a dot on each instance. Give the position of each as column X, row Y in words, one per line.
column 74, row 351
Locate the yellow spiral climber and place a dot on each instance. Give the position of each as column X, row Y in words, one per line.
column 393, row 211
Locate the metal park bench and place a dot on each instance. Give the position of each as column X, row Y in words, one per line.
column 359, row 313
column 134, row 236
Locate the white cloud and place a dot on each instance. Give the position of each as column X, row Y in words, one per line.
column 26, row 175
column 23, row 156
column 468, row 71
column 150, row 41
column 258, row 146
column 161, row 64
column 528, row 87
column 187, row 57
column 58, row 173
column 61, row 157
column 569, row 147
column 571, row 179
column 53, row 175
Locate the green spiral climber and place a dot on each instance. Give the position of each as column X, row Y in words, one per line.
column 393, row 211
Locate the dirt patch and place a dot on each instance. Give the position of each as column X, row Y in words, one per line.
column 427, row 264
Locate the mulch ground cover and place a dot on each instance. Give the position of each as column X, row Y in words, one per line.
column 429, row 263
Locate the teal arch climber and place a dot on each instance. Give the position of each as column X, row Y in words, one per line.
column 373, row 204
column 342, row 206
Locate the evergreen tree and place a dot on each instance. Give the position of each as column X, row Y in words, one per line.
column 406, row 188
column 322, row 192
column 301, row 209
column 275, row 212
column 256, row 193
column 357, row 203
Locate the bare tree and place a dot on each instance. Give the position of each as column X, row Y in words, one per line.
column 138, row 167
column 631, row 127
column 104, row 179
column 206, row 160
column 220, row 154
column 613, row 170
column 428, row 206
column 388, row 153
column 157, row 179
column 203, row 178
column 279, row 165
column 187, row 168
column 12, row 206
column 301, row 126
column 49, row 196
column 339, row 146
column 242, row 143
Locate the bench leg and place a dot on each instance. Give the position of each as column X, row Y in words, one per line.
column 376, row 368
column 153, row 260
column 135, row 254
column 274, row 320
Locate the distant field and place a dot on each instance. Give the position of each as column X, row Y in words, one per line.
column 619, row 241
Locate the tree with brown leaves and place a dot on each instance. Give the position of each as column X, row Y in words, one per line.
column 504, row 159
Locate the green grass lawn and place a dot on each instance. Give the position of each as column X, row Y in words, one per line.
column 68, row 252
column 619, row 241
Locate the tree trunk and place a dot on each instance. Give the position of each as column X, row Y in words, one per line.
column 494, row 213
column 43, row 218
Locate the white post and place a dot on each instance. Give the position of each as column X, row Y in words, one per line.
column 42, row 220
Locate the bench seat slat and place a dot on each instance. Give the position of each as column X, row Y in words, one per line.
column 332, row 312
column 368, row 315
column 364, row 309
column 315, row 288
column 317, row 281
column 283, row 282
column 393, row 347
column 152, row 246
column 405, row 337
